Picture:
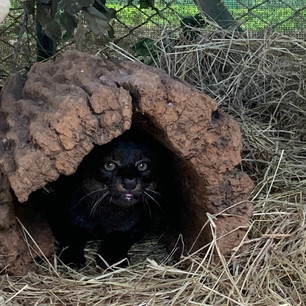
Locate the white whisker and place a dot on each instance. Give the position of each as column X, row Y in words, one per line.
column 154, row 191
column 146, row 193
column 111, row 198
column 94, row 208
column 92, row 192
column 149, row 208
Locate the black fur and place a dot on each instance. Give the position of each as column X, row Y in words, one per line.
column 119, row 190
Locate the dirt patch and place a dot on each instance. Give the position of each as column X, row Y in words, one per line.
column 65, row 106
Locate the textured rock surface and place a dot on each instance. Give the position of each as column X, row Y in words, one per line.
column 54, row 117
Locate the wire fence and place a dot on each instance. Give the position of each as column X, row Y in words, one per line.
column 18, row 31
column 287, row 16
column 278, row 15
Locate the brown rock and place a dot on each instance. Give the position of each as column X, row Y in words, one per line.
column 53, row 119
column 18, row 237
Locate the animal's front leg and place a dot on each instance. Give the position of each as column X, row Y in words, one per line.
column 114, row 249
column 73, row 255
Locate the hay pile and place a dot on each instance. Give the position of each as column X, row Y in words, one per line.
column 261, row 82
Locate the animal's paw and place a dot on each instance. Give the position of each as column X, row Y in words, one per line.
column 72, row 258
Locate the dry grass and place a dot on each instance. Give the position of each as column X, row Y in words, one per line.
column 261, row 82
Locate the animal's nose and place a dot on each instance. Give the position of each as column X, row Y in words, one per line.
column 129, row 183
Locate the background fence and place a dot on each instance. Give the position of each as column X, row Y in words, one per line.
column 132, row 23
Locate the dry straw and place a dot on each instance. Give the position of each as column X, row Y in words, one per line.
column 260, row 81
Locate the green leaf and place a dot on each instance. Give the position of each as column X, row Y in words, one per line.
column 53, row 30
column 101, row 2
column 80, row 35
column 86, row 3
column 63, row 4
column 45, row 1
column 144, row 46
column 73, row 8
column 144, row 4
column 69, row 22
column 103, row 26
column 193, row 21
column 102, row 8
column 98, row 23
column 111, row 32
column 43, row 16
column 93, row 11
column 110, row 13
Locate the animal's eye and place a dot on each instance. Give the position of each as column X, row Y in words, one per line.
column 109, row 166
column 142, row 166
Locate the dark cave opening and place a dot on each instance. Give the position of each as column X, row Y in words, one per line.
column 74, row 206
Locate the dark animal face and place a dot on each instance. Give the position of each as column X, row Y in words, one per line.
column 129, row 174
column 125, row 173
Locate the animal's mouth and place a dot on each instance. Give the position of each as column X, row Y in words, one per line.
column 128, row 196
